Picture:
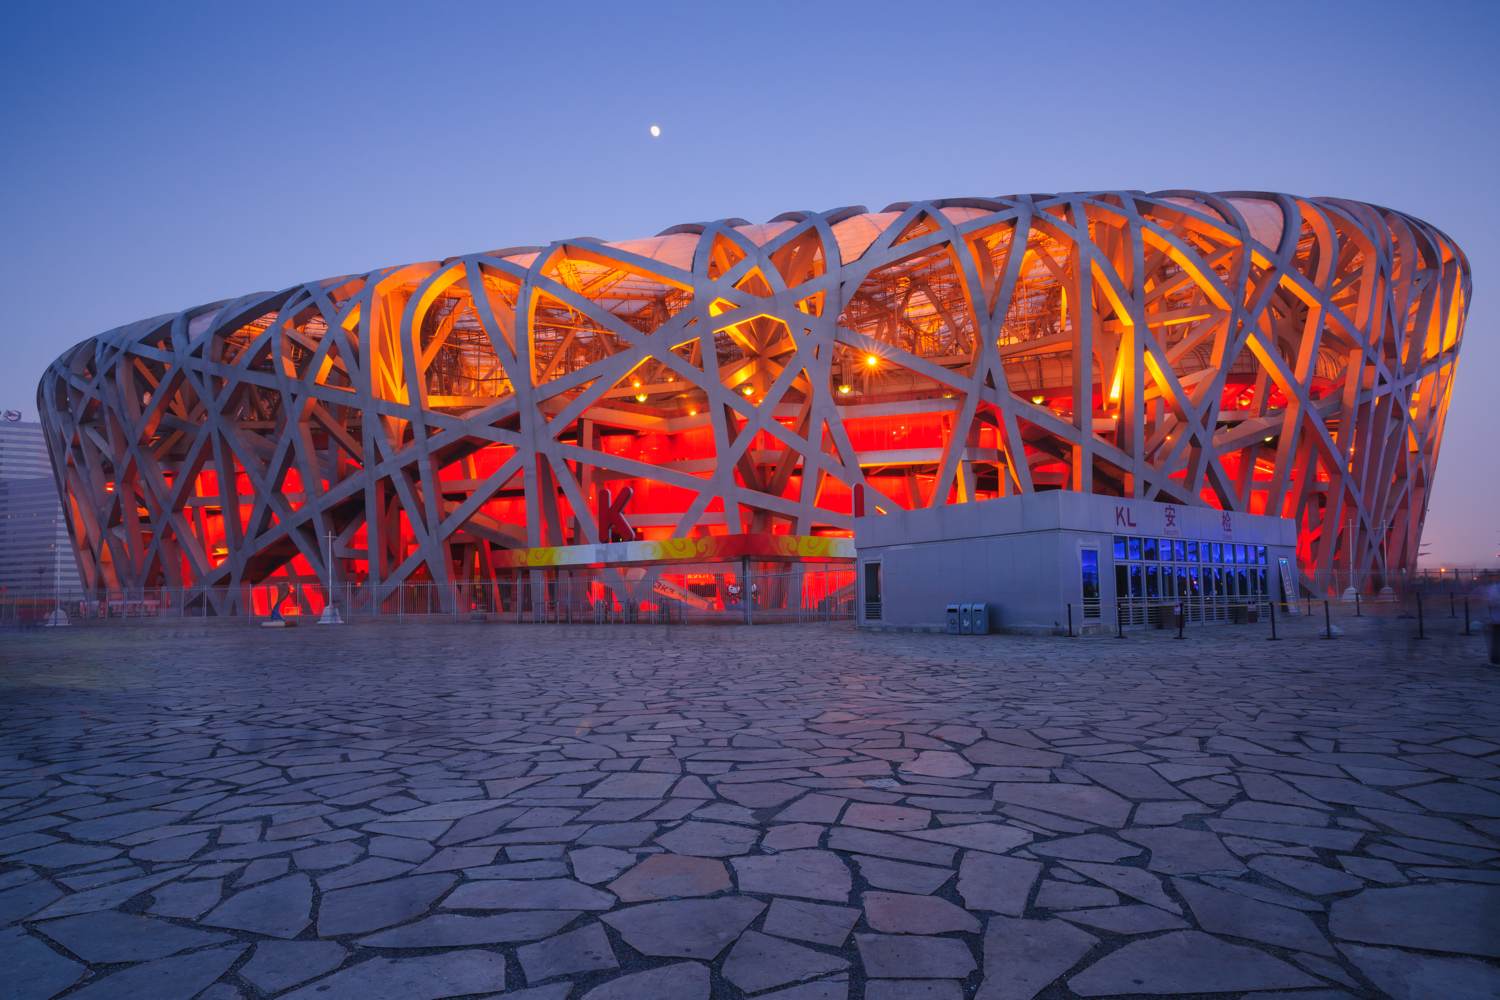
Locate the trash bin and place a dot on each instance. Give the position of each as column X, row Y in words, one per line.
column 979, row 618
column 1239, row 614
column 966, row 619
column 952, row 618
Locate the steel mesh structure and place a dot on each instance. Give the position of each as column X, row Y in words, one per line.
column 1246, row 351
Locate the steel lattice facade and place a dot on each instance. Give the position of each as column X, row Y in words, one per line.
column 1246, row 351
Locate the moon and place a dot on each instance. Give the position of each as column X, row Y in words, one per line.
column 656, row 131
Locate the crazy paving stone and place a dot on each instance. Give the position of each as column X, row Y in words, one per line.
column 1228, row 913
column 188, row 900
column 109, row 936
column 687, row 928
column 451, row 930
column 899, row 956
column 1097, row 806
column 759, row 962
column 541, row 894
column 1186, row 962
column 1024, row 957
column 899, row 913
column 1133, row 918
column 1463, row 919
column 669, row 876
column 1306, row 876
column 913, row 989
column 1408, row 975
column 1132, row 882
column 994, row 883
column 1054, row 895
column 586, row 949
column 810, row 874
column 888, row 845
column 938, row 764
column 872, row 816
column 814, row 922
column 709, row 840
column 22, row 901
column 680, row 981
column 366, row 908
column 1175, row 851
column 33, row 971
column 176, row 978
column 424, row 977
column 280, row 965
column 599, row 864
column 899, row 876
column 1087, row 847
column 276, row 909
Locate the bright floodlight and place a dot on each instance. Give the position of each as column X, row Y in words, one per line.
column 656, row 131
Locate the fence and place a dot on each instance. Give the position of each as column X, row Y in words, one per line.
column 600, row 597
column 1421, row 613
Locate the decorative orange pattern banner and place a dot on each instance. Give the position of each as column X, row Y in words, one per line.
column 712, row 548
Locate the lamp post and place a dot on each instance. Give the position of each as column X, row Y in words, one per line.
column 330, row 615
column 1387, row 592
column 58, row 618
column 1351, row 593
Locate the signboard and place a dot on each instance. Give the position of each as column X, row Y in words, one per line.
column 1288, row 587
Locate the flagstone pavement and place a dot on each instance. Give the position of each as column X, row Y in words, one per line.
column 790, row 812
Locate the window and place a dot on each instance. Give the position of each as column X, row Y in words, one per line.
column 1088, row 566
column 1119, row 546
column 872, row 591
column 1135, row 548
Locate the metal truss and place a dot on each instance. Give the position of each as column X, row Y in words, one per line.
column 1247, row 351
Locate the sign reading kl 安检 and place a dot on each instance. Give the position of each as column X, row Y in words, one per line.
column 1169, row 520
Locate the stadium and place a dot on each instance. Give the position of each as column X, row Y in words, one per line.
column 658, row 419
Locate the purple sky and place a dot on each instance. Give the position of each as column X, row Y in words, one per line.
column 156, row 157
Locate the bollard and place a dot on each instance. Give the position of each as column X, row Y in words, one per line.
column 1327, row 622
column 1356, row 605
column 1070, row 621
column 1309, row 606
column 1180, row 618
column 1452, row 605
column 1119, row 622
column 1273, row 622
column 1421, row 625
column 1466, row 614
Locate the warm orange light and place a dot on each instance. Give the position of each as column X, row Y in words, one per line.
column 692, row 411
column 640, row 397
column 1268, row 439
column 871, row 361
column 845, row 389
column 1038, row 399
column 748, row 390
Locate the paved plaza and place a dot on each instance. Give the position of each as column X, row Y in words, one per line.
column 418, row 811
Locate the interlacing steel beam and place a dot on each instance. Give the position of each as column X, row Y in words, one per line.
column 1247, row 351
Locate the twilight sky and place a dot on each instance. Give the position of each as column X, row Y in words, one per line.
column 158, row 156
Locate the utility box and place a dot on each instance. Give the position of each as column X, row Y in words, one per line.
column 979, row 618
column 954, row 627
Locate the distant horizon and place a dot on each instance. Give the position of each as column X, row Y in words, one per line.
column 173, row 157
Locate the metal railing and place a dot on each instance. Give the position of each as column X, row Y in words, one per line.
column 805, row 596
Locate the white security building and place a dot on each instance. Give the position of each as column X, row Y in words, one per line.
column 1036, row 559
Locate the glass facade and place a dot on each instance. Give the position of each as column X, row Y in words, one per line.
column 1209, row 579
